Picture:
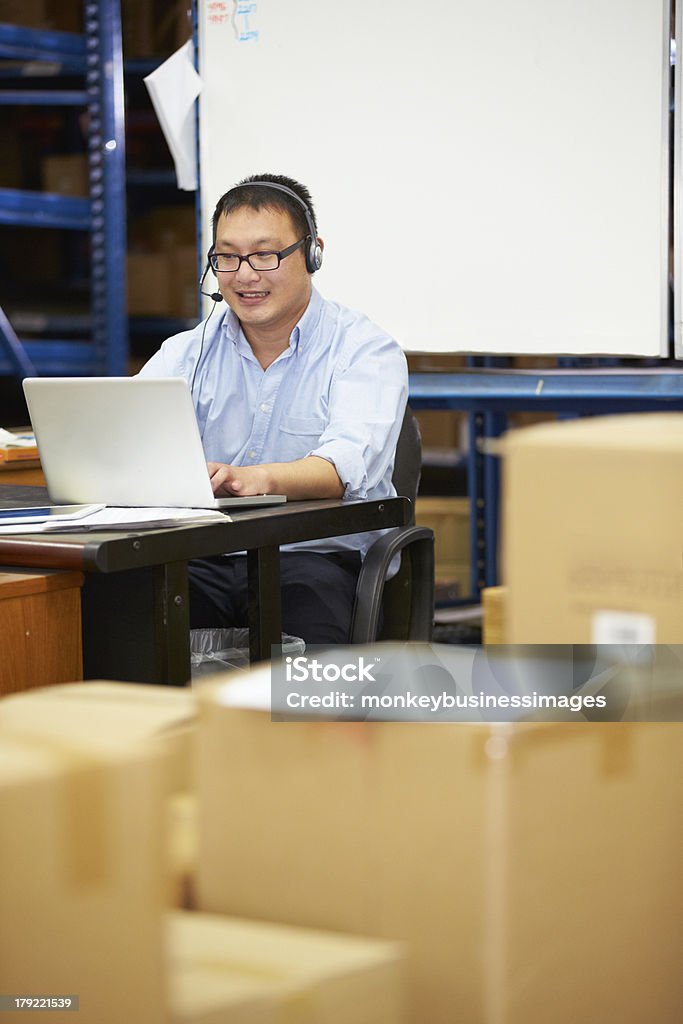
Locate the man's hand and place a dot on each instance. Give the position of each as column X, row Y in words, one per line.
column 312, row 477
column 231, row 480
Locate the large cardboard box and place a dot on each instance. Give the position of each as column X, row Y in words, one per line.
column 164, row 717
column 592, row 531
column 81, row 881
column 181, row 849
column 533, row 870
column 224, row 969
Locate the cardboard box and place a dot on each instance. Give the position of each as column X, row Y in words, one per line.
column 493, row 600
column 81, row 876
column 164, row 283
column 224, row 969
column 449, row 518
column 149, row 284
column 532, row 870
column 182, row 849
column 60, row 15
column 66, row 174
column 591, row 531
column 164, row 717
column 182, row 269
column 441, row 428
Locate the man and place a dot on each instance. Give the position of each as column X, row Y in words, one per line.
column 294, row 395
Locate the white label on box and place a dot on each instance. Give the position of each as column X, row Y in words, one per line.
column 622, row 628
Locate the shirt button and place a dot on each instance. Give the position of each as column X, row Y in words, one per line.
column 264, row 407
column 252, row 454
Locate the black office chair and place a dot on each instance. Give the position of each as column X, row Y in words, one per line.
column 401, row 608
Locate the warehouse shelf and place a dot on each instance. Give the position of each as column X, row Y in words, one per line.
column 66, row 50
column 489, row 394
column 44, row 210
column 34, row 66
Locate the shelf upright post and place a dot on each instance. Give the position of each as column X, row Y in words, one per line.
column 106, row 158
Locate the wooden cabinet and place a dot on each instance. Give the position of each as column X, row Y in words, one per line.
column 40, row 628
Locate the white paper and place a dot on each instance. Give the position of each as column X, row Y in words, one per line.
column 173, row 88
column 123, row 518
column 10, row 440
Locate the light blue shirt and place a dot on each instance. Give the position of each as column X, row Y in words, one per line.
column 338, row 391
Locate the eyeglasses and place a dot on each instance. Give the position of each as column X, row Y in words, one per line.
column 228, row 263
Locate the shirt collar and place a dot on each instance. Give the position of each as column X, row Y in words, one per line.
column 308, row 321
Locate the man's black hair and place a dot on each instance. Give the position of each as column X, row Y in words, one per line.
column 258, row 198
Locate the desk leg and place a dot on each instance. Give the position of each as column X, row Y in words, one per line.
column 136, row 625
column 265, row 608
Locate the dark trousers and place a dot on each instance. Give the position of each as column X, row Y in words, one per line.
column 318, row 592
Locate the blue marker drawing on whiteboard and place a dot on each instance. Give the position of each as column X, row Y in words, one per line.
column 240, row 19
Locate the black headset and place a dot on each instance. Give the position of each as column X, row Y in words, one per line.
column 313, row 252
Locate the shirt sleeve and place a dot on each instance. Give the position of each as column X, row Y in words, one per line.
column 368, row 395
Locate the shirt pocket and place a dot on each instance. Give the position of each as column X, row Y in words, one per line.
column 307, row 426
column 300, row 434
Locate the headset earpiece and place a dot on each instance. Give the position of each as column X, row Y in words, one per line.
column 314, row 255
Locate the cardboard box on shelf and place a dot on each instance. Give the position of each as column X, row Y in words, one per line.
column 163, row 717
column 149, row 285
column 591, row 531
column 182, row 269
column 81, row 875
column 449, row 518
column 164, row 283
column 66, row 174
column 441, row 429
column 170, row 226
column 59, row 15
column 525, row 866
column 221, row 965
column 493, row 601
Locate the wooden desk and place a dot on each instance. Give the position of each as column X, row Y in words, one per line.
column 40, row 629
column 27, row 473
column 135, row 596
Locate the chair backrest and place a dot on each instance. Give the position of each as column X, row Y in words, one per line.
column 403, row 604
column 408, row 459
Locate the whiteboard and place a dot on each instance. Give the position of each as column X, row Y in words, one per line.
column 488, row 177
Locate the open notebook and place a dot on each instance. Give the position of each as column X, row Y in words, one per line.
column 126, row 441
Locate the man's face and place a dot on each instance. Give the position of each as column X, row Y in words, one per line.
column 268, row 303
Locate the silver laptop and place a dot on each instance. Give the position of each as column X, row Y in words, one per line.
column 123, row 441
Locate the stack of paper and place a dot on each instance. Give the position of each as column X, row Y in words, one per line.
column 17, row 447
column 108, row 519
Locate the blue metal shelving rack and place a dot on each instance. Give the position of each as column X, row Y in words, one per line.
column 101, row 342
column 488, row 395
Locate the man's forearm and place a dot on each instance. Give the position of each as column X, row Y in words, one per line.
column 311, row 477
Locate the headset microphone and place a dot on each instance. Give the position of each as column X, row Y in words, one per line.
column 215, row 296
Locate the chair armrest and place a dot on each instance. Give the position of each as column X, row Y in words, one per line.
column 418, row 542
